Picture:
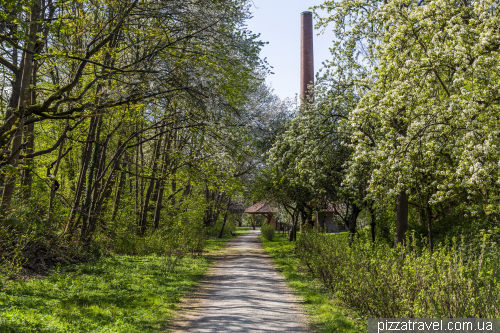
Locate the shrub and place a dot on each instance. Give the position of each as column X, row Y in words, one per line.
column 214, row 230
column 268, row 231
column 380, row 281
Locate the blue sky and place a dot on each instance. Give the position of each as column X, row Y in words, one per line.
column 278, row 22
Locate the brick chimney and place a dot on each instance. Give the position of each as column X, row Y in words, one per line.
column 306, row 56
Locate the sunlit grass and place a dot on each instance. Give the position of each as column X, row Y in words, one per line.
column 118, row 293
column 326, row 314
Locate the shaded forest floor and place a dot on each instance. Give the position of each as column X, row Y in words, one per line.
column 325, row 313
column 117, row 293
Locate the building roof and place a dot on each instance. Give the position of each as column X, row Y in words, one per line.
column 263, row 207
column 329, row 207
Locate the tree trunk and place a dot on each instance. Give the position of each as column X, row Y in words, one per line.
column 136, row 178
column 99, row 201
column 161, row 183
column 13, row 104
column 24, row 98
column 119, row 189
column 428, row 214
column 141, row 186
column 302, row 220
column 292, row 237
column 174, row 187
column 86, row 155
column 221, row 233
column 159, row 201
column 145, row 208
column 353, row 221
column 54, row 185
column 372, row 223
column 86, row 207
column 401, row 217
column 27, row 179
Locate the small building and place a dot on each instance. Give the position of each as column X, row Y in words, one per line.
column 266, row 209
column 328, row 221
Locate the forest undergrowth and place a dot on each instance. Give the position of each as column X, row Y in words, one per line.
column 111, row 293
column 455, row 280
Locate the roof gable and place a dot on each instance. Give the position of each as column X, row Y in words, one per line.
column 262, row 207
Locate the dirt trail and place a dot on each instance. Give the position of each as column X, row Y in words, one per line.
column 243, row 292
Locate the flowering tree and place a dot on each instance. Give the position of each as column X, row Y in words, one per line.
column 429, row 123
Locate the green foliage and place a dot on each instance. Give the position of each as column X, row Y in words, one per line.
column 268, row 231
column 405, row 282
column 136, row 149
column 160, row 241
column 117, row 293
column 214, row 230
column 325, row 312
column 181, row 233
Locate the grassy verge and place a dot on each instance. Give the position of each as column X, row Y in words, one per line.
column 325, row 313
column 118, row 293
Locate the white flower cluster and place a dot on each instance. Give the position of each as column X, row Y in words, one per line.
column 411, row 101
column 430, row 122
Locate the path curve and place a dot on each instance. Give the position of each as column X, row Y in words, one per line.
column 243, row 292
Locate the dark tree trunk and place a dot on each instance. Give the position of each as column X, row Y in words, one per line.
column 401, row 217
column 85, row 160
column 221, row 233
column 428, row 213
column 174, row 187
column 24, row 100
column 372, row 223
column 55, row 185
column 136, row 178
column 302, row 220
column 159, row 201
column 13, row 104
column 353, row 218
column 144, row 217
column 27, row 179
column 119, row 190
column 161, row 184
column 141, row 185
column 292, row 237
column 86, row 207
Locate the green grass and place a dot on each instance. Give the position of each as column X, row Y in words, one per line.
column 118, row 293
column 243, row 231
column 324, row 312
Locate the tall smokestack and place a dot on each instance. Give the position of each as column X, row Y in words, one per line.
column 306, row 56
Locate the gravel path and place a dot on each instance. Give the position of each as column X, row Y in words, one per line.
column 243, row 292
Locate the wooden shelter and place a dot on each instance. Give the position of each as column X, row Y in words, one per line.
column 266, row 209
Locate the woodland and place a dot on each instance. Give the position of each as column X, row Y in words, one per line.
column 132, row 127
column 124, row 120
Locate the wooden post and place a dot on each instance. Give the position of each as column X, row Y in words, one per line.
column 253, row 221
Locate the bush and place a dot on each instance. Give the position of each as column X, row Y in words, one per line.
column 380, row 281
column 268, row 231
column 214, row 230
